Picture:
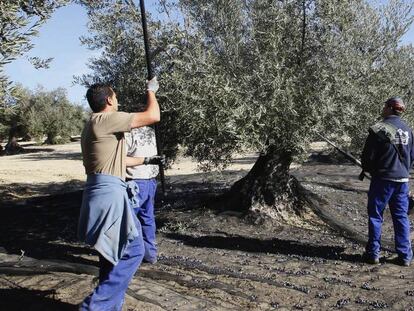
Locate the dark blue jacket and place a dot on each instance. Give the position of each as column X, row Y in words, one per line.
column 387, row 160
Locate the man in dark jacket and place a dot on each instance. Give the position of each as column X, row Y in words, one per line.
column 388, row 156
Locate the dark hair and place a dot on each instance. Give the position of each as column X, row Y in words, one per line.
column 396, row 104
column 97, row 95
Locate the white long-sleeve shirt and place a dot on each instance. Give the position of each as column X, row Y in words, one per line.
column 141, row 142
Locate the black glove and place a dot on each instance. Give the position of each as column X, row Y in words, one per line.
column 154, row 160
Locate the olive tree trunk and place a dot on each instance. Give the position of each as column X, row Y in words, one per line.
column 12, row 146
column 268, row 189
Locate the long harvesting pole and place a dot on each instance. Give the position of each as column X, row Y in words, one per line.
column 146, row 39
column 150, row 76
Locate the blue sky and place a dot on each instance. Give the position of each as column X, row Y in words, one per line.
column 59, row 38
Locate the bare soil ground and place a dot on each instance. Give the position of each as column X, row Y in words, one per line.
column 210, row 258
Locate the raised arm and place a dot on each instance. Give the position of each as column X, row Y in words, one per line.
column 152, row 114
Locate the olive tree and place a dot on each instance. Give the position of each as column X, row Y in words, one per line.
column 260, row 75
column 20, row 22
column 39, row 114
column 50, row 114
column 269, row 75
column 11, row 126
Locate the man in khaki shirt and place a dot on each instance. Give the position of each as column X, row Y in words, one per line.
column 106, row 219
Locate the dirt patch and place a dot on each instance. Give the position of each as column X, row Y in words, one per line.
column 210, row 259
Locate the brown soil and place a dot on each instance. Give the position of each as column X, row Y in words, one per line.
column 210, row 259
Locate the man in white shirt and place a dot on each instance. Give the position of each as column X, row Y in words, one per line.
column 141, row 143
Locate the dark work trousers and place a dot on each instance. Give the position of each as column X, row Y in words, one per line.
column 381, row 193
column 145, row 213
column 114, row 280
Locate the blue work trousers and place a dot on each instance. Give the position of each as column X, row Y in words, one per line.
column 114, row 279
column 145, row 213
column 381, row 193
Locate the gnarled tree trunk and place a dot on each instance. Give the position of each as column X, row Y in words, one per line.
column 268, row 189
column 12, row 146
column 50, row 140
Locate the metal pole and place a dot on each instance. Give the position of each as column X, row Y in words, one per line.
column 346, row 154
column 146, row 39
column 150, row 76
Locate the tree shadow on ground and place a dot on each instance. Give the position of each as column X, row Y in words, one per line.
column 272, row 246
column 335, row 175
column 22, row 194
column 245, row 160
column 340, row 186
column 18, row 299
column 45, row 227
column 77, row 156
column 327, row 158
column 207, row 179
column 25, row 150
column 191, row 191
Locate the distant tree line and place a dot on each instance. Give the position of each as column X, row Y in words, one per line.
column 44, row 116
column 23, row 113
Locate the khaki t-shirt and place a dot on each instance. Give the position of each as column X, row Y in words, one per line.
column 103, row 145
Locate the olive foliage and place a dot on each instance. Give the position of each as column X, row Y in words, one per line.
column 239, row 75
column 50, row 114
column 275, row 72
column 20, row 22
column 258, row 75
column 45, row 116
